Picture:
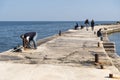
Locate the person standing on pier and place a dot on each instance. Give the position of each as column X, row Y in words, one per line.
column 27, row 38
column 99, row 34
column 92, row 24
column 86, row 24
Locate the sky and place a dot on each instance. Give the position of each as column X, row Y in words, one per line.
column 59, row 10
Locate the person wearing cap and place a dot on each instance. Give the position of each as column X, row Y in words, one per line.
column 27, row 38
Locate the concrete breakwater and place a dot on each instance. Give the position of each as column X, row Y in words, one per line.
column 74, row 55
column 110, row 46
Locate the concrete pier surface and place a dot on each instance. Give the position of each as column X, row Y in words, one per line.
column 70, row 56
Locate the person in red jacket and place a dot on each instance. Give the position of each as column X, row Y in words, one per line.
column 28, row 38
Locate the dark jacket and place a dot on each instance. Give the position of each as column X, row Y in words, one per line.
column 92, row 23
column 30, row 34
column 99, row 33
column 86, row 21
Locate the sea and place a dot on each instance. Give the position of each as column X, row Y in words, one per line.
column 10, row 31
column 115, row 37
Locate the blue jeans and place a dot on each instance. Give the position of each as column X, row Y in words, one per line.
column 34, row 42
column 101, row 38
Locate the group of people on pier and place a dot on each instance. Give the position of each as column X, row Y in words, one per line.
column 92, row 24
column 87, row 24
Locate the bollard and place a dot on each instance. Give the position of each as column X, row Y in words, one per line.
column 110, row 75
column 59, row 32
column 96, row 58
column 101, row 67
column 98, row 44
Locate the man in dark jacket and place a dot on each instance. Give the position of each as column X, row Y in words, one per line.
column 27, row 38
column 99, row 34
column 92, row 24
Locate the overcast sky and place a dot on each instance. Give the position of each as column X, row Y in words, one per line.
column 59, row 10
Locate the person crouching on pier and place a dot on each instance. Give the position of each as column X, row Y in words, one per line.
column 28, row 38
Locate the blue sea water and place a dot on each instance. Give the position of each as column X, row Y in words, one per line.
column 10, row 31
column 115, row 37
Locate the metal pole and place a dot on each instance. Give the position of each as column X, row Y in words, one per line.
column 96, row 58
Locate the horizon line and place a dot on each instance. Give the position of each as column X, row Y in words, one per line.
column 50, row 20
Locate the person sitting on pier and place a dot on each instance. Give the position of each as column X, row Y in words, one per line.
column 76, row 26
column 27, row 38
